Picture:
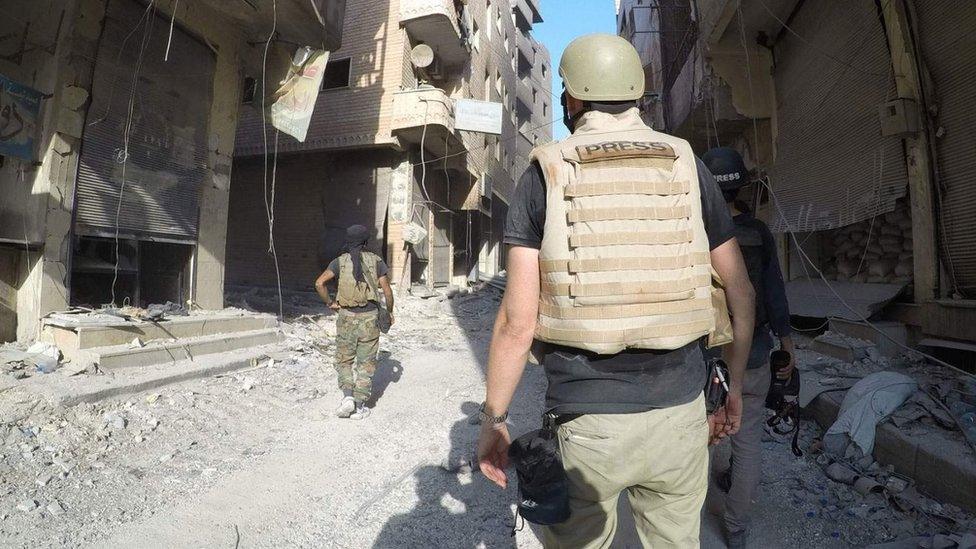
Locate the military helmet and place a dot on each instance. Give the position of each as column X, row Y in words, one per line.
column 727, row 166
column 602, row 67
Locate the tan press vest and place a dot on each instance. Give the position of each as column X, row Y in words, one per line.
column 353, row 293
column 625, row 258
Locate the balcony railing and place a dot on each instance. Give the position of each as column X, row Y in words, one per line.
column 526, row 13
column 426, row 115
column 437, row 24
column 524, row 101
column 526, row 49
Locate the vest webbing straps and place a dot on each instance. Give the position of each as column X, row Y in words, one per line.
column 620, row 214
column 624, row 263
column 628, row 288
column 623, row 336
column 630, row 238
column 624, row 311
column 662, row 188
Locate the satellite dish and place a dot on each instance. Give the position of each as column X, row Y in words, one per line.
column 422, row 56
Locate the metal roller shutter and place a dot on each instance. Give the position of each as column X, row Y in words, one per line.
column 833, row 167
column 948, row 46
column 167, row 152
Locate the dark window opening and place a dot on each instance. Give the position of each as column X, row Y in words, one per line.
column 148, row 272
column 250, row 88
column 337, row 74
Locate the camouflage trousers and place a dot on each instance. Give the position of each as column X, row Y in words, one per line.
column 357, row 342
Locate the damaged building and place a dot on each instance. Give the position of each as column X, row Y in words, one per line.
column 117, row 140
column 855, row 117
column 387, row 146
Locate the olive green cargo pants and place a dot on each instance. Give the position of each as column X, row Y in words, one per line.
column 659, row 457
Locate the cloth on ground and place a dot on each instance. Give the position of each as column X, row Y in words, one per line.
column 868, row 402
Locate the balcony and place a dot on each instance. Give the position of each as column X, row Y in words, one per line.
column 526, row 13
column 308, row 22
column 526, row 52
column 430, row 107
column 524, row 100
column 435, row 23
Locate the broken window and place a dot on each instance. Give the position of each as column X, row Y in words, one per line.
column 337, row 74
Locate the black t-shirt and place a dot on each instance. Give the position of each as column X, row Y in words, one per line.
column 635, row 380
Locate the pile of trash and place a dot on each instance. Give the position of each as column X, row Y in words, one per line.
column 18, row 362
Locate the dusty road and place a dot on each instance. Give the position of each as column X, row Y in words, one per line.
column 256, row 459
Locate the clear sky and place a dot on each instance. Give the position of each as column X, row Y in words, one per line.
column 563, row 21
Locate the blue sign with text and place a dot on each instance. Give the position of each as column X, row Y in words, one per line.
column 19, row 109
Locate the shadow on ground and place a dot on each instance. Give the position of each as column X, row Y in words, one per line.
column 388, row 371
column 458, row 506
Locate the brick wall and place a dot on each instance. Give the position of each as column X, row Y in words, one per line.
column 357, row 116
column 317, row 197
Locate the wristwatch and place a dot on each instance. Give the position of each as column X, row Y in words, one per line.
column 486, row 418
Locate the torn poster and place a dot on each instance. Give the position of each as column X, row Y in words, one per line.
column 293, row 103
column 19, row 108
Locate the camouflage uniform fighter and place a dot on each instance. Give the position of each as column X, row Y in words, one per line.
column 359, row 274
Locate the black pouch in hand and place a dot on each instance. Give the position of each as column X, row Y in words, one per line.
column 715, row 393
column 543, row 488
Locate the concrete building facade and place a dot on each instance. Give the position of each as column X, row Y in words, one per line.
column 118, row 132
column 383, row 149
column 855, row 115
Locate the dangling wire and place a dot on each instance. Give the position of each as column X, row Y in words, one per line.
column 123, row 155
column 269, row 206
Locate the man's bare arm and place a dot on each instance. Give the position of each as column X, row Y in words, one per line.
column 514, row 329
column 388, row 294
column 728, row 263
column 320, row 286
column 509, row 351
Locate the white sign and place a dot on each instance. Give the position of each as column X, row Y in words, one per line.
column 294, row 101
column 478, row 116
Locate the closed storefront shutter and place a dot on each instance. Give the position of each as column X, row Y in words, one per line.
column 833, row 168
column 948, row 46
column 161, row 109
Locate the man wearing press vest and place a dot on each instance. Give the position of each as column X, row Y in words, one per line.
column 614, row 234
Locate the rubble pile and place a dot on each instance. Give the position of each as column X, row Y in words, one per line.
column 856, row 503
column 18, row 361
column 68, row 475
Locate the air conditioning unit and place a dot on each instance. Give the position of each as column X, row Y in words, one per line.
column 484, row 185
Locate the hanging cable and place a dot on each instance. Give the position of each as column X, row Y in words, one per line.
column 809, row 43
column 848, row 306
column 172, row 22
column 269, row 206
column 123, row 155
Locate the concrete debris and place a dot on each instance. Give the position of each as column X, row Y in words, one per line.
column 27, row 506
column 55, row 508
column 114, row 420
column 248, row 383
column 136, row 344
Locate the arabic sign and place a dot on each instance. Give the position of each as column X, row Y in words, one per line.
column 294, row 101
column 19, row 108
column 478, row 116
column 400, row 194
